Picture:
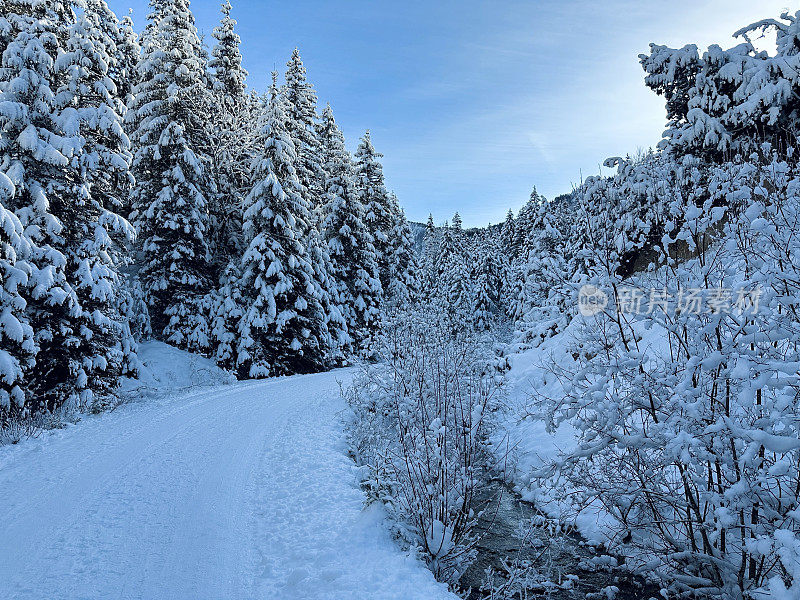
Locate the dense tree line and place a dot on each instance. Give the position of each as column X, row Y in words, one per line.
column 145, row 190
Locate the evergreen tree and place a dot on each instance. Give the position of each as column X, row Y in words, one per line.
column 508, row 232
column 125, row 74
column 87, row 98
column 283, row 327
column 451, row 247
column 404, row 271
column 452, row 288
column 301, row 107
column 525, row 223
column 17, row 348
column 132, row 306
column 150, row 37
column 354, row 264
column 487, row 285
column 119, row 46
column 128, row 53
column 458, row 291
column 226, row 64
column 380, row 216
column 35, row 155
column 330, row 298
column 235, row 135
column 430, row 259
column 226, row 308
column 170, row 206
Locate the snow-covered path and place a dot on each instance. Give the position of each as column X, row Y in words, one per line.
column 237, row 492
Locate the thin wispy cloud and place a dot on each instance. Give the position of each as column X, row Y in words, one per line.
column 474, row 103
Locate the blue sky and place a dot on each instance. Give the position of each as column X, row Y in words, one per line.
column 475, row 102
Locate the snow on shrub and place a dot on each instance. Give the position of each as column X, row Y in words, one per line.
column 420, row 421
column 688, row 429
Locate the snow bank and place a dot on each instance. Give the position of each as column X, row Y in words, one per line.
column 166, row 370
column 523, row 434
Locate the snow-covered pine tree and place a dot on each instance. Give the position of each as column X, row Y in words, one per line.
column 235, row 135
column 87, row 102
column 729, row 101
column 487, row 285
column 404, row 270
column 330, row 298
column 132, row 306
column 354, row 264
column 89, row 93
column 457, row 290
column 170, row 204
column 201, row 130
column 283, row 329
column 226, row 308
column 301, row 108
column 379, row 216
column 525, row 220
column 149, row 36
column 508, row 233
column 430, row 227
column 320, row 255
column 453, row 288
column 451, row 246
column 514, row 287
column 128, row 53
column 17, row 348
column 35, row 155
column 430, row 259
column 125, row 74
column 120, row 47
column 545, row 275
column 226, row 64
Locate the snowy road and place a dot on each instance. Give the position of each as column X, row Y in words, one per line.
column 237, row 492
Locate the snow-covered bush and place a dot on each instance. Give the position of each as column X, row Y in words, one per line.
column 419, row 426
column 687, row 413
column 728, row 101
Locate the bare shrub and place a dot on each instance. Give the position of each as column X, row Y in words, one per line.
column 420, row 423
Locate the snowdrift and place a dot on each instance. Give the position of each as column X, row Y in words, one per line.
column 166, row 370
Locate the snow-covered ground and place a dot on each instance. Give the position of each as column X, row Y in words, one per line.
column 166, row 371
column 234, row 491
column 525, row 434
column 542, row 372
